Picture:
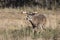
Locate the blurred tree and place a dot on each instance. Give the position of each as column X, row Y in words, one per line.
column 41, row 3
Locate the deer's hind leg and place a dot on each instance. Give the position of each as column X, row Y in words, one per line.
column 43, row 27
column 40, row 28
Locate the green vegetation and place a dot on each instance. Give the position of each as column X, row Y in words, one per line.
column 28, row 32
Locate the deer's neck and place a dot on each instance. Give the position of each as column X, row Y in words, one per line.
column 32, row 24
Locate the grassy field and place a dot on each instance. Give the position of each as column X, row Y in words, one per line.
column 13, row 25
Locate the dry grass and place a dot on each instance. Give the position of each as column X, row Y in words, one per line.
column 13, row 25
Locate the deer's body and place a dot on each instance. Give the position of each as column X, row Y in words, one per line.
column 37, row 21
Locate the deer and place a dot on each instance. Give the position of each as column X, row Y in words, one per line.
column 38, row 21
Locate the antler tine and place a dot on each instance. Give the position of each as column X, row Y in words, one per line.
column 35, row 12
column 24, row 12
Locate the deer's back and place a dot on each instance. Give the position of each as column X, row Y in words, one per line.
column 39, row 19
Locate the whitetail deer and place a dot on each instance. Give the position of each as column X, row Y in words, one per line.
column 37, row 21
